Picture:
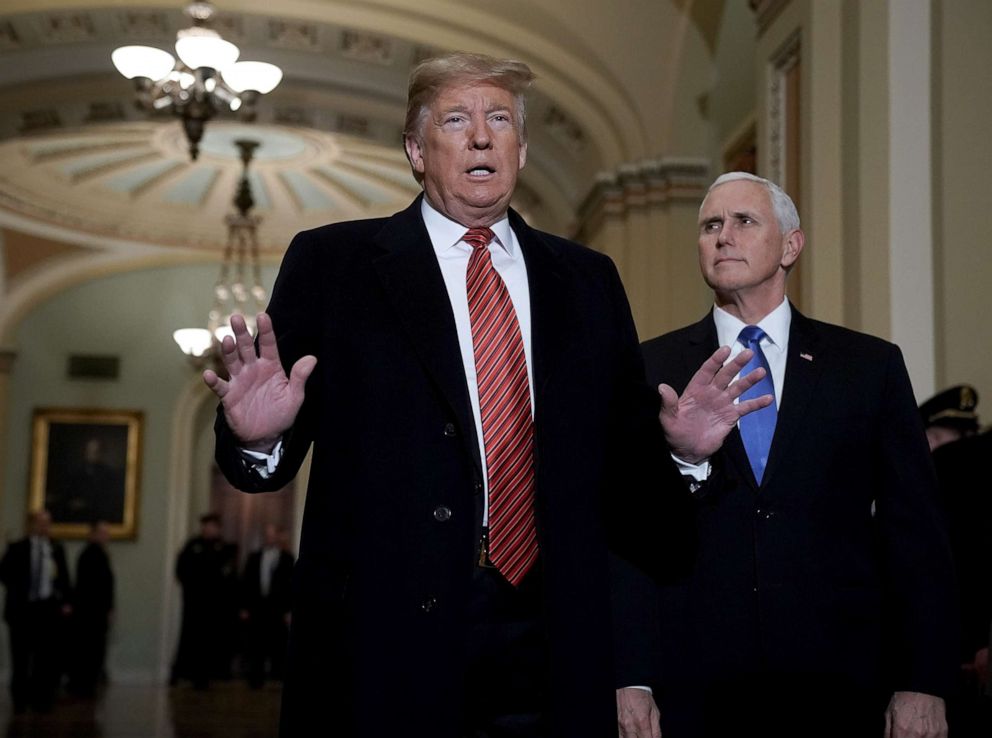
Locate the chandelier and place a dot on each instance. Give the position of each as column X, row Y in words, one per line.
column 206, row 78
column 238, row 289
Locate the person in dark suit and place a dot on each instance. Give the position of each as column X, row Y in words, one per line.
column 266, row 601
column 966, row 495
column 821, row 598
column 33, row 570
column 474, row 396
column 92, row 612
column 207, row 571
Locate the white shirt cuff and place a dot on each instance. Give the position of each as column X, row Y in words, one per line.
column 264, row 464
column 700, row 472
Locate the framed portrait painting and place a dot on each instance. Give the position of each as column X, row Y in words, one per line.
column 85, row 466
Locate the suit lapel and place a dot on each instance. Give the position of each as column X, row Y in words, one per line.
column 702, row 343
column 412, row 282
column 803, row 367
column 549, row 305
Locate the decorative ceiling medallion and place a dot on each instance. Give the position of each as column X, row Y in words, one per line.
column 134, row 181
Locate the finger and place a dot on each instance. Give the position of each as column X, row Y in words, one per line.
column 229, row 355
column 705, row 374
column 888, row 724
column 749, row 406
column 245, row 343
column 732, row 368
column 300, row 372
column 669, row 399
column 267, row 346
column 746, row 382
column 217, row 385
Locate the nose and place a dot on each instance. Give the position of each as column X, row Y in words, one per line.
column 723, row 237
column 480, row 137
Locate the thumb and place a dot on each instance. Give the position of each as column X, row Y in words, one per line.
column 669, row 399
column 301, row 371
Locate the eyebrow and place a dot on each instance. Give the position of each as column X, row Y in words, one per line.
column 744, row 214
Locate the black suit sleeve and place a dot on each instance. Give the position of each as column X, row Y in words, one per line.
column 648, row 512
column 914, row 546
column 295, row 314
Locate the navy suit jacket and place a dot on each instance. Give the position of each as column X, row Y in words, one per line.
column 838, row 563
column 393, row 507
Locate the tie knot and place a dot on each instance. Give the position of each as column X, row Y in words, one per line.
column 750, row 336
column 478, row 238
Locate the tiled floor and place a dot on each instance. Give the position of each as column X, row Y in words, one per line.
column 226, row 710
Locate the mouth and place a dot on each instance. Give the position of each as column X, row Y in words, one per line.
column 481, row 171
column 727, row 260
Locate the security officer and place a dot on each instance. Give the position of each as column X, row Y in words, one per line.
column 950, row 415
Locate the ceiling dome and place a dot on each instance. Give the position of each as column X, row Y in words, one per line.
column 135, row 181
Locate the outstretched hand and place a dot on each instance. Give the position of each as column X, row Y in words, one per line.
column 696, row 423
column 260, row 402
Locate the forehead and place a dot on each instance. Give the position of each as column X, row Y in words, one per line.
column 472, row 95
column 739, row 194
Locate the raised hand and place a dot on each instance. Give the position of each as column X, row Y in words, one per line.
column 915, row 715
column 696, row 423
column 260, row 402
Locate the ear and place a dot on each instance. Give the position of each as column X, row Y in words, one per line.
column 414, row 153
column 522, row 155
column 792, row 247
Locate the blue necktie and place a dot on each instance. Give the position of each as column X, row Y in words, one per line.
column 757, row 428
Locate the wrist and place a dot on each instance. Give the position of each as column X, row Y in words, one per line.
column 262, row 445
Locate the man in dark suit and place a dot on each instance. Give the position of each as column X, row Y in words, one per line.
column 34, row 572
column 822, row 585
column 92, row 612
column 475, row 403
column 966, row 494
column 206, row 569
column 266, row 600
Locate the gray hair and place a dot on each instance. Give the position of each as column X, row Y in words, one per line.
column 459, row 68
column 785, row 210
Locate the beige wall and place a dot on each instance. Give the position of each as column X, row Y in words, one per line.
column 962, row 102
column 132, row 316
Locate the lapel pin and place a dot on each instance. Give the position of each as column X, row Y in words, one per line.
column 808, row 357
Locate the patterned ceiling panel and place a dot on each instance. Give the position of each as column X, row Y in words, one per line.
column 135, row 181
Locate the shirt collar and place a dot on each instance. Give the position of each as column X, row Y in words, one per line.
column 446, row 233
column 776, row 325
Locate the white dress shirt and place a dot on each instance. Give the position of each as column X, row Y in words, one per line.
column 267, row 564
column 452, row 257
column 42, row 569
column 775, row 346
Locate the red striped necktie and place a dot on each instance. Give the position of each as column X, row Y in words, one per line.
column 504, row 401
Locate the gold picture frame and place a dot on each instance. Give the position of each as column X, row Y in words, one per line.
column 85, row 466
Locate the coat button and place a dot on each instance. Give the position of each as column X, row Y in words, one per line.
column 449, row 430
column 478, row 486
column 442, row 513
column 428, row 604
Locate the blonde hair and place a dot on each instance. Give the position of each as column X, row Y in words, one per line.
column 461, row 68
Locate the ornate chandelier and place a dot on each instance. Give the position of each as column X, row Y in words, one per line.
column 206, row 78
column 238, row 289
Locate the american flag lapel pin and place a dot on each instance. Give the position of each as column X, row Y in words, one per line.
column 804, row 355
